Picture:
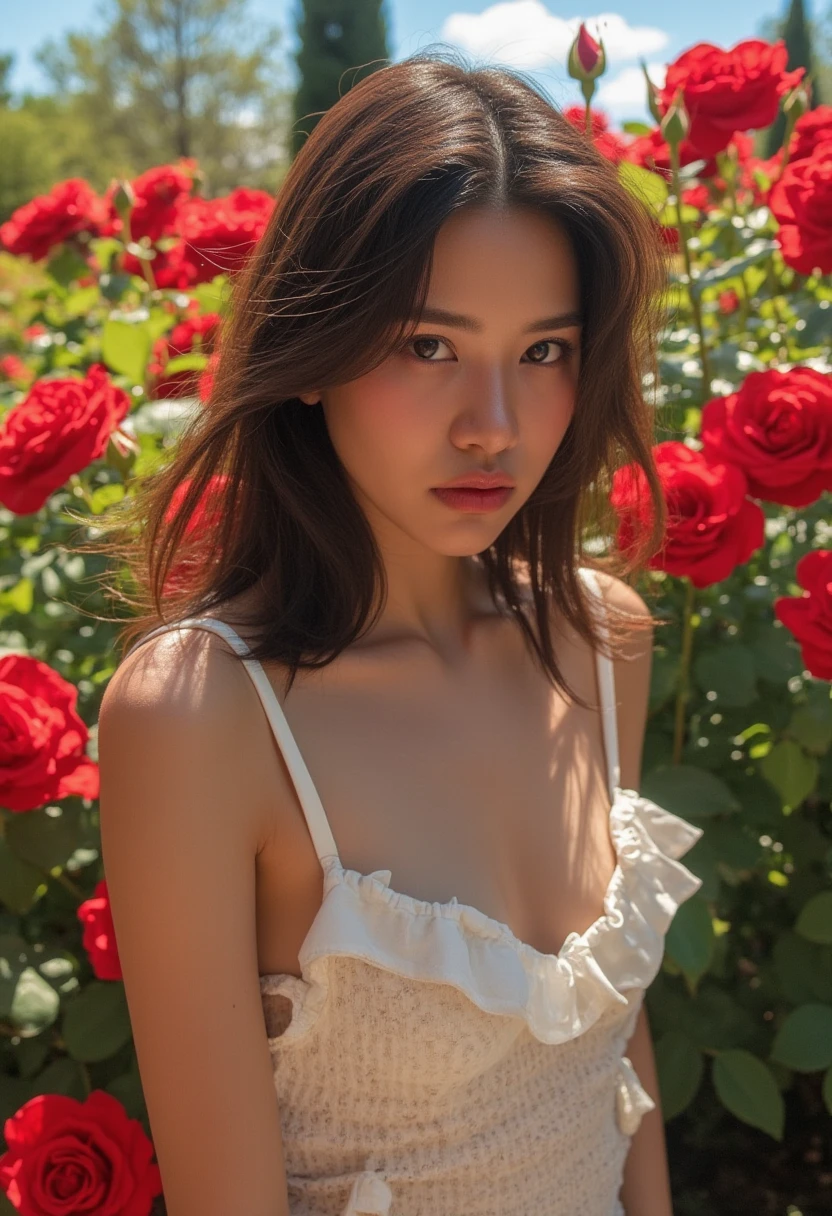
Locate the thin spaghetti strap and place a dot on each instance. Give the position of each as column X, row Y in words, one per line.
column 606, row 681
column 310, row 801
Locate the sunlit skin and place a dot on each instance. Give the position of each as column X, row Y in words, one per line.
column 496, row 393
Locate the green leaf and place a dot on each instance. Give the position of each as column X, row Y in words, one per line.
column 792, row 773
column 19, row 598
column 664, row 677
column 21, row 885
column 97, row 1023
column 803, row 969
column 680, row 1066
column 125, row 348
column 645, row 185
column 693, row 793
column 186, row 363
column 104, row 496
column 66, row 266
column 45, row 840
column 79, row 303
column 747, row 1088
column 815, row 919
column 804, row 1041
column 756, row 251
column 690, row 938
column 729, row 671
column 811, row 726
column 636, row 128
column 35, row 1005
column 775, row 654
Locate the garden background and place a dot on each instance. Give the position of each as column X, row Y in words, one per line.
column 131, row 192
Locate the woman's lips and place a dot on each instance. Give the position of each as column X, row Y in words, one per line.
column 461, row 499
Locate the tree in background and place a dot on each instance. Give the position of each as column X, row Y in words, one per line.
column 171, row 78
column 341, row 41
column 798, row 35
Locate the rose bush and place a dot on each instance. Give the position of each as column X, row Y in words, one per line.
column 115, row 343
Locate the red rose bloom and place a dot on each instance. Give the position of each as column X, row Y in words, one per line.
column 66, row 1156
column 809, row 617
column 712, row 526
column 778, row 428
column 194, row 335
column 159, row 193
column 99, row 938
column 728, row 91
column 812, row 128
column 37, row 227
column 728, row 302
column 610, row 144
column 43, row 740
column 217, row 237
column 652, row 152
column 12, row 367
column 196, row 540
column 801, row 201
column 58, row 428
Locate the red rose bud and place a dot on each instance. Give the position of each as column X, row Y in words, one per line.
column 675, row 124
column 798, row 100
column 123, row 199
column 587, row 59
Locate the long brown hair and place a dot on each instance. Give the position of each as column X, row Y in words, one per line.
column 344, row 262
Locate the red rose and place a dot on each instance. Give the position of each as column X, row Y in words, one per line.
column 778, row 429
column 809, row 617
column 196, row 537
column 158, row 194
column 728, row 91
column 56, row 430
column 712, row 526
column 206, row 380
column 66, row 1156
column 43, row 740
column 99, row 939
column 609, row 143
column 728, row 302
column 217, row 237
column 652, row 152
column 801, row 201
column 812, row 128
column 69, row 208
column 12, row 367
column 194, row 335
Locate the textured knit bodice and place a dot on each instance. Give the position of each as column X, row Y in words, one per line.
column 428, row 1062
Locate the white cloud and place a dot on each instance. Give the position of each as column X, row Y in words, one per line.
column 524, row 34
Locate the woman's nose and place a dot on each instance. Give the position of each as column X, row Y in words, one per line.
column 487, row 417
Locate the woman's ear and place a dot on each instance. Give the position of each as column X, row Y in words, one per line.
column 312, row 398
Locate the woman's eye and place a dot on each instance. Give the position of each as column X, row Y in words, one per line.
column 415, row 342
column 563, row 350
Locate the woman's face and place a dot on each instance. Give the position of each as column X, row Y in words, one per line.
column 488, row 385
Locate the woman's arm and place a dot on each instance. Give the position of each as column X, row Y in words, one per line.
column 179, row 838
column 646, row 1186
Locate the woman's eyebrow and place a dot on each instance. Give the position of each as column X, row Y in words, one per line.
column 440, row 316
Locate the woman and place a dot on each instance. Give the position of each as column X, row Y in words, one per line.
column 453, row 287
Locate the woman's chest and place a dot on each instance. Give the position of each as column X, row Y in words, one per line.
column 488, row 787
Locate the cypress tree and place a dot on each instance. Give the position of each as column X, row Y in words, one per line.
column 341, row 41
column 797, row 35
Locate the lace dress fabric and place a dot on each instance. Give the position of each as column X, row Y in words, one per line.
column 429, row 1063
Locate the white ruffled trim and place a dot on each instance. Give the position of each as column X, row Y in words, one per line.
column 370, row 1196
column 559, row 995
column 632, row 1100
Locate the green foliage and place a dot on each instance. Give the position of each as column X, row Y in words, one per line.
column 341, row 42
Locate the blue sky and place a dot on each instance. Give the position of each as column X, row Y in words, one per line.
column 529, row 34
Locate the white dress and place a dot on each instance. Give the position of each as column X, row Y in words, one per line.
column 428, row 1062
